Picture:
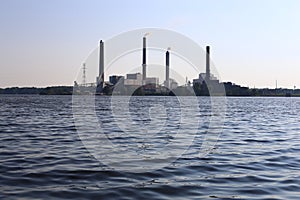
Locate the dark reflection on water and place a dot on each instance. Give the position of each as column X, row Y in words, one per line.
column 257, row 156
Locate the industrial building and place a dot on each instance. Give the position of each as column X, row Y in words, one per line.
column 207, row 77
column 202, row 78
column 171, row 84
column 134, row 79
column 114, row 79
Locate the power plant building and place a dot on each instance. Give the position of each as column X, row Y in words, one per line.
column 206, row 77
column 152, row 80
column 202, row 78
column 171, row 84
column 134, row 79
column 141, row 79
column 114, row 79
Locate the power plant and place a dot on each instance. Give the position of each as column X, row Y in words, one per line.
column 137, row 80
column 206, row 77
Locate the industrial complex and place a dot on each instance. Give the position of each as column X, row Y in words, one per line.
column 206, row 84
column 140, row 83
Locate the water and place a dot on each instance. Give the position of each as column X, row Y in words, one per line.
column 256, row 157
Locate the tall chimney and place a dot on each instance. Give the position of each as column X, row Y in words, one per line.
column 167, row 69
column 144, row 58
column 207, row 63
column 101, row 63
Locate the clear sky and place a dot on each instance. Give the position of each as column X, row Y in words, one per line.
column 253, row 42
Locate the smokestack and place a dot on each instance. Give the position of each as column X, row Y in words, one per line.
column 101, row 63
column 207, row 63
column 144, row 58
column 167, row 69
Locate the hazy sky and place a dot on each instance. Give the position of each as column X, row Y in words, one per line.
column 253, row 43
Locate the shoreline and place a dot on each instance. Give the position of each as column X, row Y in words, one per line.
column 230, row 92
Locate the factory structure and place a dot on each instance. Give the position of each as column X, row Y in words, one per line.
column 206, row 77
column 148, row 85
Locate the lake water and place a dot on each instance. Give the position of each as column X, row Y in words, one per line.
column 155, row 148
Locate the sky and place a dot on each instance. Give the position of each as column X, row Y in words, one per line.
column 253, row 42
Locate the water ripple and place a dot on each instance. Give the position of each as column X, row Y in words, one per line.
column 256, row 157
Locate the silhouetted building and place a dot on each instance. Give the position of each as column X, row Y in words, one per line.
column 114, row 79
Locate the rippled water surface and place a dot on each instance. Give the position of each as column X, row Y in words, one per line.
column 42, row 155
